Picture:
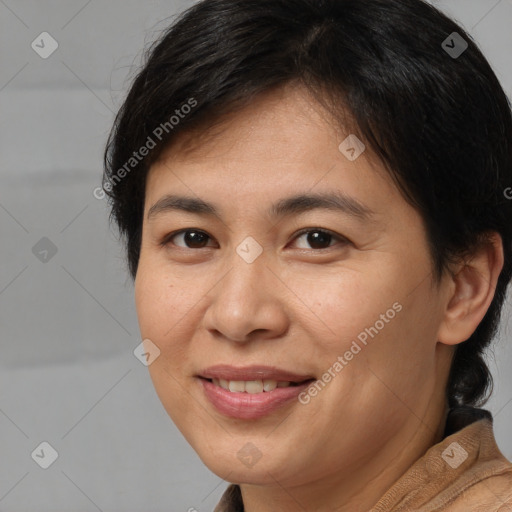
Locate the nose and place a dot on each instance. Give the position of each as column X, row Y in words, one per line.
column 248, row 303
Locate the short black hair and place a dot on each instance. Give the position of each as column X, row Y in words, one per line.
column 429, row 107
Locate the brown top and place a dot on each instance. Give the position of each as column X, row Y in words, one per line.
column 465, row 472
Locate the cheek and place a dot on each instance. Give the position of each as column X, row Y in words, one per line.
column 159, row 311
column 163, row 303
column 347, row 306
column 169, row 309
column 375, row 324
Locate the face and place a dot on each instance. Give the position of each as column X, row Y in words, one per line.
column 320, row 317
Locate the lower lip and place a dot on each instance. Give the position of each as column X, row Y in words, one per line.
column 250, row 406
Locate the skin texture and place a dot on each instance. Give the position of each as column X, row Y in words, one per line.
column 298, row 307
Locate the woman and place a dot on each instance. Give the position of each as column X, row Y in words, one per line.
column 313, row 195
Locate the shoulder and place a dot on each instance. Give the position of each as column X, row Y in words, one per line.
column 493, row 494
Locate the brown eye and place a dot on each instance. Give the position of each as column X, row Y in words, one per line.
column 191, row 238
column 318, row 238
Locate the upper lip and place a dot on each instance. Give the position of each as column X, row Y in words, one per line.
column 255, row 372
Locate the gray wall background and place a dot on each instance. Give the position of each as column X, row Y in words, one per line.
column 68, row 375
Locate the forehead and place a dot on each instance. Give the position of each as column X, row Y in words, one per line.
column 280, row 125
column 284, row 140
column 284, row 112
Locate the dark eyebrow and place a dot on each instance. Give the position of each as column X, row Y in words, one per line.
column 331, row 201
column 291, row 205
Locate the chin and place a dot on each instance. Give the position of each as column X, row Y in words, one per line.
column 247, row 464
column 236, row 473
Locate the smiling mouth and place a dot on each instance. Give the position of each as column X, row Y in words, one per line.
column 252, row 399
column 255, row 386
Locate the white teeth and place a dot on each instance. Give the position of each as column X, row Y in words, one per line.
column 236, row 385
column 254, row 386
column 250, row 386
column 269, row 385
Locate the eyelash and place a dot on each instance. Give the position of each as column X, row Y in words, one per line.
column 167, row 239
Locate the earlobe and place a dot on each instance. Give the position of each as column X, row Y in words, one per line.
column 472, row 290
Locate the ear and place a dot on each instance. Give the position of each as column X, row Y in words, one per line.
column 471, row 291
